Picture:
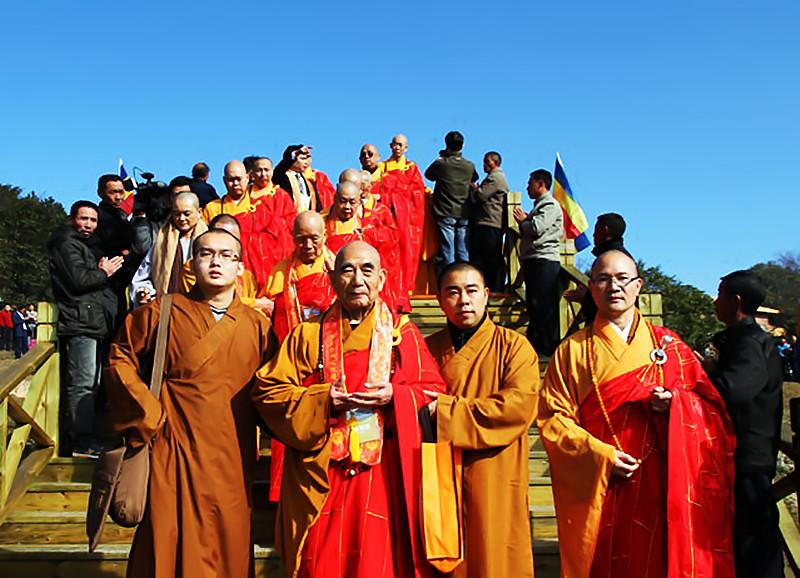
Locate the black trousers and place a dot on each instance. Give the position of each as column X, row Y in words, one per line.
column 541, row 298
column 486, row 253
column 6, row 338
column 757, row 538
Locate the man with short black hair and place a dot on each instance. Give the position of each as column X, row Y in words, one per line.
column 78, row 280
column 608, row 232
column 200, row 186
column 452, row 174
column 486, row 222
column 749, row 377
column 540, row 251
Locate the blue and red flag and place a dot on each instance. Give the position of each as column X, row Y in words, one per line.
column 575, row 224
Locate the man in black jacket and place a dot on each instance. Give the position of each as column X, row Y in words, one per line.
column 79, row 280
column 748, row 375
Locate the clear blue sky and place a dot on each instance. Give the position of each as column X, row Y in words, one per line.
column 681, row 115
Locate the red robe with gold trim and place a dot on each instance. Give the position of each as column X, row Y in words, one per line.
column 271, row 240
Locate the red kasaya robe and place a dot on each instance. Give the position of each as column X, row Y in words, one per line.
column 402, row 189
column 323, row 185
column 271, row 240
column 332, row 523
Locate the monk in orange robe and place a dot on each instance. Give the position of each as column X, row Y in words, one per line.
column 310, row 189
column 202, row 431
column 271, row 240
column 345, row 223
column 639, row 442
column 300, row 288
column 492, row 376
column 343, row 395
column 403, row 191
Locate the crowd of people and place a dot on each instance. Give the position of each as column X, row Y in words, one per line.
column 17, row 328
column 288, row 312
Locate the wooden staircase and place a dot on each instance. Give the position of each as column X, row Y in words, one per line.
column 44, row 534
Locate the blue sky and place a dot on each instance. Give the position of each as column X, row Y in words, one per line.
column 681, row 115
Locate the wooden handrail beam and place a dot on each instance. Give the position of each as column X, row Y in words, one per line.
column 19, row 415
column 24, row 367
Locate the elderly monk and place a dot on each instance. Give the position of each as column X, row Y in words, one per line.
column 345, row 223
column 343, row 395
column 271, row 240
column 310, row 189
column 369, row 157
column 492, row 376
column 300, row 288
column 202, row 432
column 162, row 268
column 403, row 191
column 640, row 445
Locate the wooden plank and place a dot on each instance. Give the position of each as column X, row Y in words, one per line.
column 15, row 448
column 791, row 537
column 19, row 415
column 23, row 367
column 52, row 398
column 3, row 452
column 28, row 469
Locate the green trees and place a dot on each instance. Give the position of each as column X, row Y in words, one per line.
column 687, row 310
column 26, row 222
column 782, row 278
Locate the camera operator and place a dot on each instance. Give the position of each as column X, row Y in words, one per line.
column 151, row 209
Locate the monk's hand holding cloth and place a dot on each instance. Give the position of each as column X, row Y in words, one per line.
column 660, row 399
column 432, row 405
column 340, row 399
column 624, row 464
column 376, row 394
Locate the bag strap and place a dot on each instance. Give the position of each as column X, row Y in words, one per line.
column 157, row 376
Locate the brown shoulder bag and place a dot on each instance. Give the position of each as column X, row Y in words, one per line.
column 121, row 476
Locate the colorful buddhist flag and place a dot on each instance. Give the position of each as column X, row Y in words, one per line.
column 575, row 224
column 130, row 187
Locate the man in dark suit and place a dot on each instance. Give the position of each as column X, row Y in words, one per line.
column 199, row 185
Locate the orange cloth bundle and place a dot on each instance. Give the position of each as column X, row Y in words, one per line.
column 442, row 527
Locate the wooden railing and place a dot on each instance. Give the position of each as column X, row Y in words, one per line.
column 29, row 406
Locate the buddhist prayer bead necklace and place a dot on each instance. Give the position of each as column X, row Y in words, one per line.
column 657, row 358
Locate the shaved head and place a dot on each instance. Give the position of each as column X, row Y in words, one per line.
column 228, row 223
column 347, row 199
column 615, row 285
column 618, row 258
column 309, row 221
column 186, row 198
column 350, row 175
column 399, row 146
column 357, row 249
column 236, row 179
column 234, row 167
column 357, row 278
column 369, row 157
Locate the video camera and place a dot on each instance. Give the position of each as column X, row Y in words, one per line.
column 151, row 198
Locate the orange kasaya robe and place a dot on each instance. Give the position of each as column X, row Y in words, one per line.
column 492, row 392
column 271, row 240
column 377, row 229
column 300, row 292
column 245, row 213
column 345, row 519
column 202, row 431
column 674, row 516
column 402, row 189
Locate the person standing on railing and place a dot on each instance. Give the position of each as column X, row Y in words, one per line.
column 486, row 222
column 541, row 231
column 749, row 377
column 452, row 174
column 78, row 283
column 639, row 444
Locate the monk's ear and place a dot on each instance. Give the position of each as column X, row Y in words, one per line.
column 239, row 268
column 382, row 278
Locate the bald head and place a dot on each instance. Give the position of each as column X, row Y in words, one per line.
column 369, row 157
column 309, row 236
column 186, row 199
column 357, row 278
column 347, row 200
column 617, row 259
column 236, row 179
column 228, row 223
column 350, row 175
column 399, row 146
column 615, row 285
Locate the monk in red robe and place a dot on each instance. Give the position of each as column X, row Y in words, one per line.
column 639, row 443
column 343, row 395
column 345, row 222
column 202, row 430
column 274, row 216
column 403, row 191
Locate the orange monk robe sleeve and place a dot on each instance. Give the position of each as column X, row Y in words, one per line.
column 188, row 278
column 137, row 414
column 580, row 464
column 247, row 288
column 296, row 414
column 500, row 418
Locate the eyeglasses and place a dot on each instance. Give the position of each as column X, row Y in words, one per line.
column 604, row 281
column 208, row 255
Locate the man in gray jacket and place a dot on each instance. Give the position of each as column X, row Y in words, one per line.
column 541, row 231
column 486, row 227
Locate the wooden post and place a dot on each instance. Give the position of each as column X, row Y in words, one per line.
column 46, row 322
column 3, row 452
